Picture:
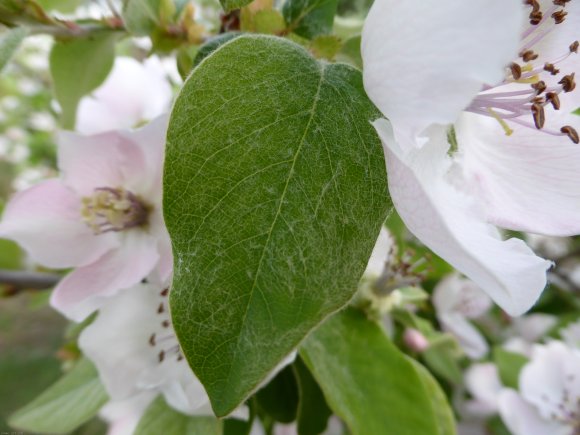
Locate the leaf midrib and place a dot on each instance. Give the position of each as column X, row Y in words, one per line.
column 275, row 220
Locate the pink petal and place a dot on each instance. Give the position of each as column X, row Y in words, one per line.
column 102, row 160
column 450, row 223
column 85, row 289
column 46, row 221
column 529, row 180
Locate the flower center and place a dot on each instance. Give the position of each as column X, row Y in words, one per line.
column 111, row 209
column 163, row 340
column 566, row 411
column 541, row 83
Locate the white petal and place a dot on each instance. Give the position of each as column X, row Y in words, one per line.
column 102, row 160
column 457, row 294
column 132, row 93
column 482, row 381
column 425, row 61
column 552, row 375
column 46, row 220
column 450, row 223
column 533, row 326
column 123, row 415
column 528, row 181
column 85, row 289
column 522, row 419
column 470, row 339
column 380, row 255
column 571, row 334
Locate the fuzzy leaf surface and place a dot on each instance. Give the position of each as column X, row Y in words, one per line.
column 274, row 195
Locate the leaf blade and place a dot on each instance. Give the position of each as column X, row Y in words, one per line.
column 267, row 131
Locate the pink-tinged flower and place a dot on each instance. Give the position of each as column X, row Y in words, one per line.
column 512, row 161
column 102, row 217
column 133, row 94
column 483, row 383
column 549, row 394
column 134, row 347
column 457, row 300
column 415, row 340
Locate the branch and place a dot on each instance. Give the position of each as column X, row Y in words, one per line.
column 20, row 280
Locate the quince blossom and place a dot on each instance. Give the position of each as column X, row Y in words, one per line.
column 133, row 93
column 549, row 398
column 457, row 300
column 102, row 217
column 512, row 161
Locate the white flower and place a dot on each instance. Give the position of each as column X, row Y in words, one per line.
column 430, row 64
column 571, row 334
column 527, row 330
column 549, row 398
column 133, row 93
column 123, row 415
column 457, row 300
column 483, row 383
column 133, row 345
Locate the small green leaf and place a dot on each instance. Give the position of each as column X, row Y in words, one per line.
column 366, row 380
column 274, row 194
column 212, row 45
column 141, row 17
column 350, row 52
column 325, row 46
column 509, row 366
column 9, row 41
column 72, row 401
column 78, row 67
column 439, row 402
column 310, row 18
column 269, row 21
column 280, row 397
column 442, row 357
column 313, row 411
column 159, row 418
column 230, row 5
column 65, row 6
column 10, row 255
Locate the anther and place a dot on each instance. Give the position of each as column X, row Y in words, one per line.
column 180, row 357
column 534, row 4
column 574, row 47
column 539, row 115
column 164, row 292
column 549, row 67
column 161, row 308
column 539, row 87
column 516, row 71
column 568, row 83
column 161, row 356
column 152, row 339
column 571, row 133
column 536, row 17
column 553, row 99
column 538, row 100
column 165, row 323
column 559, row 16
column 528, row 55
column 560, row 2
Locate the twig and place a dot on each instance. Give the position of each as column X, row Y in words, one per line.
column 18, row 279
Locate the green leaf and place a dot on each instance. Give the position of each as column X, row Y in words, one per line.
column 159, row 418
column 10, row 255
column 70, row 402
column 313, row 411
column 141, row 17
column 366, row 380
column 442, row 357
column 9, row 41
column 509, row 366
column 274, row 194
column 350, row 52
column 213, row 44
column 78, row 67
column 230, row 5
column 65, row 6
column 310, row 18
column 280, row 397
column 269, row 21
column 326, row 46
column 439, row 402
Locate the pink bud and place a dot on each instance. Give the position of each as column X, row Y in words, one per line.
column 415, row 340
